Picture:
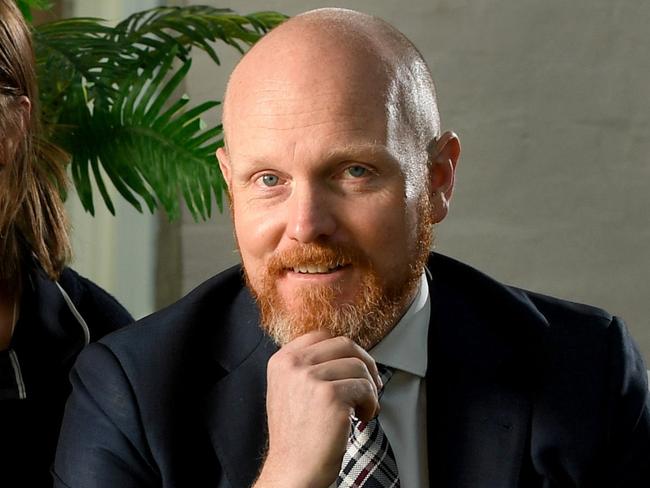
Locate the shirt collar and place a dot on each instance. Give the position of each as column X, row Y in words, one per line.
column 405, row 346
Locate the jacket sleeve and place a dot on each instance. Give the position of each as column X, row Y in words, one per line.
column 629, row 429
column 102, row 442
column 591, row 419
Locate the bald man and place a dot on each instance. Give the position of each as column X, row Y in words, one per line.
column 342, row 353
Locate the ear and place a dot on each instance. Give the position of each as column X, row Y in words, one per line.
column 224, row 164
column 444, row 153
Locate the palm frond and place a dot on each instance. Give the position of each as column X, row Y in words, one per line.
column 148, row 154
column 193, row 26
column 108, row 99
column 26, row 7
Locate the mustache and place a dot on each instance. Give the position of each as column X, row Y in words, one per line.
column 330, row 255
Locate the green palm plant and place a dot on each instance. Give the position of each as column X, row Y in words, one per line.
column 108, row 98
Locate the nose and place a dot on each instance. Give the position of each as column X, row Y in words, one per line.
column 310, row 214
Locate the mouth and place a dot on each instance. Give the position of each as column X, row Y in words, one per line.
column 316, row 269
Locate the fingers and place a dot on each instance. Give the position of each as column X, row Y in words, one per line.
column 348, row 396
column 361, row 397
column 340, row 347
column 306, row 340
column 321, row 348
column 340, row 369
column 350, row 370
column 360, row 387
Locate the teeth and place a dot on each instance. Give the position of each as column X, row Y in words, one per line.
column 315, row 269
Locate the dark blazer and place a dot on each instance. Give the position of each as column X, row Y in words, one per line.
column 46, row 342
column 522, row 390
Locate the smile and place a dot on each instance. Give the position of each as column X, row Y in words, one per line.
column 317, row 269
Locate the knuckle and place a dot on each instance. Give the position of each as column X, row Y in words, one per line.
column 283, row 361
column 272, row 363
column 308, row 374
column 292, row 360
column 358, row 365
column 308, row 358
column 346, row 342
column 367, row 387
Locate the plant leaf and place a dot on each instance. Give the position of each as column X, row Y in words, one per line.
column 108, row 97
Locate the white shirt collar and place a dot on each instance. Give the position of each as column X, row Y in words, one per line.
column 405, row 346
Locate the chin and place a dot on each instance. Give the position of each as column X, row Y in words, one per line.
column 364, row 317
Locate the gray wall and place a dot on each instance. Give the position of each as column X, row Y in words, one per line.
column 551, row 100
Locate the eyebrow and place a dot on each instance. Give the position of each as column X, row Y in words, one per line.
column 362, row 152
column 371, row 151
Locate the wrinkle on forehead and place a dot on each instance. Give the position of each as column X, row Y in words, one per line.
column 289, row 109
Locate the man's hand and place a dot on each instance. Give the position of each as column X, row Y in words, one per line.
column 315, row 383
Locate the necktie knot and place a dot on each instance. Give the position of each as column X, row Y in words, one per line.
column 385, row 373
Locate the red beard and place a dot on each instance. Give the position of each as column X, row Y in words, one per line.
column 374, row 310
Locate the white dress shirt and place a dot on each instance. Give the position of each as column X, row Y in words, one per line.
column 403, row 402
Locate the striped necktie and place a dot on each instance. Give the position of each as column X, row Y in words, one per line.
column 369, row 461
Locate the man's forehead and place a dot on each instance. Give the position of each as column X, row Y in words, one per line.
column 287, row 106
column 313, row 71
column 303, row 55
column 362, row 151
column 295, row 94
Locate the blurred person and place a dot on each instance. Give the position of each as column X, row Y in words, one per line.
column 272, row 374
column 48, row 313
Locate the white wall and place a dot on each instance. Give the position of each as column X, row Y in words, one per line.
column 552, row 103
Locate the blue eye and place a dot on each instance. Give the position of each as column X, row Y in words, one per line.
column 356, row 171
column 270, row 180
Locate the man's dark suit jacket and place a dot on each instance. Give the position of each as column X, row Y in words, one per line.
column 522, row 390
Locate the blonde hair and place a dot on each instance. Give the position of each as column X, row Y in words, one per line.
column 32, row 178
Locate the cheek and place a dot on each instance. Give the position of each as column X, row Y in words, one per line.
column 384, row 231
column 250, row 248
column 257, row 231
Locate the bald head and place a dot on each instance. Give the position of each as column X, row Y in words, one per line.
column 347, row 52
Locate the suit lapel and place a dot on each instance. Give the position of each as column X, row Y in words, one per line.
column 236, row 403
column 480, row 378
